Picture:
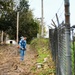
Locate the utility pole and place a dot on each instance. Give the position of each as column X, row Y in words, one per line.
column 42, row 31
column 67, row 38
column 17, row 26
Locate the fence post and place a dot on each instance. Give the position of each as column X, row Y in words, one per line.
column 68, row 53
column 67, row 38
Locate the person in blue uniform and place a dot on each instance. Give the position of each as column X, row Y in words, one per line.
column 22, row 47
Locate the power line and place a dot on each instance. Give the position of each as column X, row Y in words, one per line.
column 58, row 14
column 58, row 9
column 61, row 16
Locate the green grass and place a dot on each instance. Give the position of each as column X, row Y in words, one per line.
column 41, row 46
column 73, row 57
column 47, row 72
column 42, row 55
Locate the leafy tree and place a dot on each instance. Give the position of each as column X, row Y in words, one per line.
column 6, row 7
column 23, row 6
column 28, row 26
column 12, row 28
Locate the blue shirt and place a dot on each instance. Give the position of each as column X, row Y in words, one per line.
column 22, row 44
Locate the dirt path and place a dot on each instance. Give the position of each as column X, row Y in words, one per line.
column 10, row 63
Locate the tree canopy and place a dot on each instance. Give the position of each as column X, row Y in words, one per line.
column 28, row 26
column 6, row 7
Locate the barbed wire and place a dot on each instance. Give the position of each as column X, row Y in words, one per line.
column 58, row 9
column 60, row 14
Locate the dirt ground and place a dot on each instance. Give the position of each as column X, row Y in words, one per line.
column 10, row 63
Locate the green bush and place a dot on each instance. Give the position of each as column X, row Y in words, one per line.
column 41, row 46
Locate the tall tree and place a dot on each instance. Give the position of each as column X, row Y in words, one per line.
column 12, row 28
column 27, row 24
column 6, row 7
column 23, row 5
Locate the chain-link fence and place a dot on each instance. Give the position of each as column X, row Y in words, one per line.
column 61, row 49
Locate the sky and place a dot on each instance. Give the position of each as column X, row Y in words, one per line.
column 51, row 7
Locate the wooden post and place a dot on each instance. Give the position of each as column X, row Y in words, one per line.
column 42, row 31
column 17, row 26
column 2, row 37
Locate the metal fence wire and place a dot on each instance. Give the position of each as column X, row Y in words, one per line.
column 58, row 45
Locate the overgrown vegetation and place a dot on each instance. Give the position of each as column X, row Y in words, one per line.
column 43, row 51
column 73, row 57
column 41, row 46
